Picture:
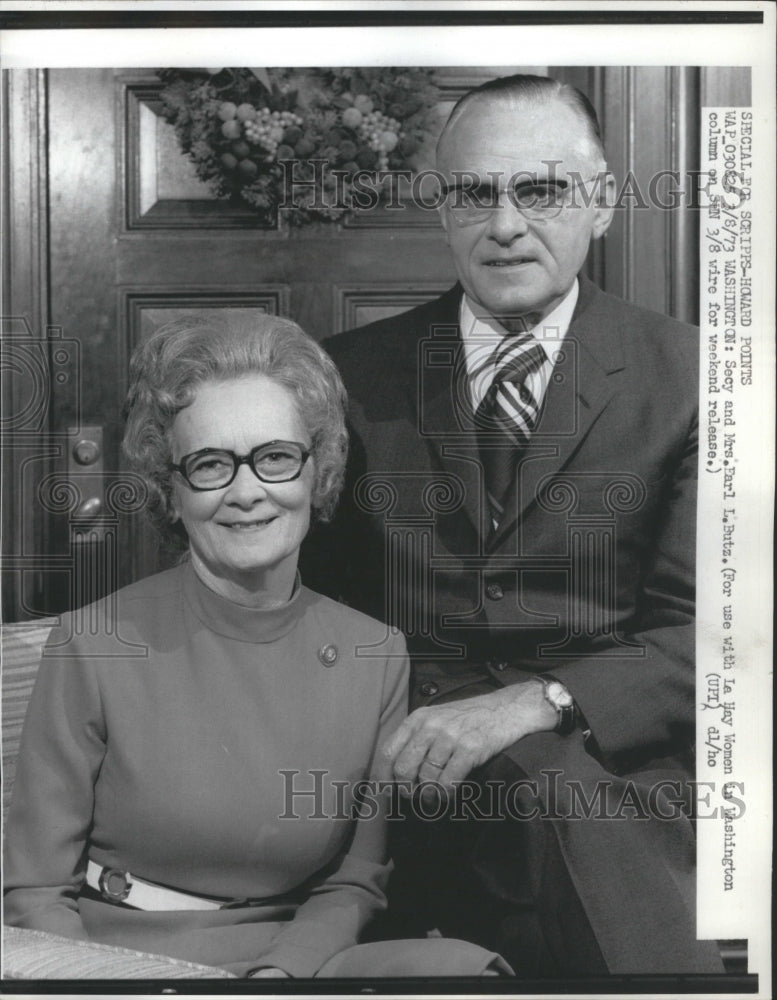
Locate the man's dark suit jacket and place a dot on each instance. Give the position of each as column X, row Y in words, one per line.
column 590, row 575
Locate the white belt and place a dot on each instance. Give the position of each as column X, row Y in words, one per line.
column 122, row 887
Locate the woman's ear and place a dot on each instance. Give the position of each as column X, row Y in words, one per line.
column 173, row 507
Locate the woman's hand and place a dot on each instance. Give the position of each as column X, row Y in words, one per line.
column 269, row 973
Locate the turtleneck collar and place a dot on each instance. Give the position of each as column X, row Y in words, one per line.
column 237, row 621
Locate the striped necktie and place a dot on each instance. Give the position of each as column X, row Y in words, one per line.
column 507, row 415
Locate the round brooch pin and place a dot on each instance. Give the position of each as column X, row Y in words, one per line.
column 328, row 654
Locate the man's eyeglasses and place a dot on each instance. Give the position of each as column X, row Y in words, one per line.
column 539, row 200
column 214, row 468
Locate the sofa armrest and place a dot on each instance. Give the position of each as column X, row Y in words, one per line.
column 22, row 645
column 31, row 954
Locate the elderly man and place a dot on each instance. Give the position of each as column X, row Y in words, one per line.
column 522, row 505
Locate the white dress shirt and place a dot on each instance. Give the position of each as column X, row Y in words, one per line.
column 482, row 334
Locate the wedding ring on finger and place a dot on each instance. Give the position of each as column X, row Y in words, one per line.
column 432, row 763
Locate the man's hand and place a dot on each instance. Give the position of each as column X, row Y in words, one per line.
column 444, row 743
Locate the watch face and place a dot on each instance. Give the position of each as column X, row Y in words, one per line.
column 559, row 695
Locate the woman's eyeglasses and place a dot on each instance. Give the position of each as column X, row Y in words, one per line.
column 537, row 200
column 215, row 468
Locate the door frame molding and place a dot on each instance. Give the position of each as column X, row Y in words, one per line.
column 25, row 318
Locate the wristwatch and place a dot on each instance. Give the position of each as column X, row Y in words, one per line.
column 557, row 695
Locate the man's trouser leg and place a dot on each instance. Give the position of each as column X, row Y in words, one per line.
column 577, row 875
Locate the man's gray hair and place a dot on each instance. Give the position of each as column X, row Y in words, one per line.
column 525, row 88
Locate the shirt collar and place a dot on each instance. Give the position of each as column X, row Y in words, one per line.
column 480, row 331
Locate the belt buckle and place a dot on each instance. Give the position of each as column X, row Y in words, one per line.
column 235, row 904
column 115, row 885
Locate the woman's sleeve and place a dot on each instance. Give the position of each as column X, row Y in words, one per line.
column 62, row 748
column 342, row 903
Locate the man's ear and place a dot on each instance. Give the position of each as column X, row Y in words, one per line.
column 445, row 222
column 605, row 205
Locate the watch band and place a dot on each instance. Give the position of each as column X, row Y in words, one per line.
column 567, row 720
column 559, row 697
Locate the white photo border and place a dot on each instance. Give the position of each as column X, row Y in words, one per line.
column 605, row 44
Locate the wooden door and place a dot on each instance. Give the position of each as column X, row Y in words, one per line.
column 131, row 238
column 110, row 233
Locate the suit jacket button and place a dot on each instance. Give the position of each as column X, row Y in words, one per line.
column 494, row 592
column 428, row 689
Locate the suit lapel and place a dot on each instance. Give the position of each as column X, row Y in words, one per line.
column 582, row 386
column 441, row 401
column 455, row 446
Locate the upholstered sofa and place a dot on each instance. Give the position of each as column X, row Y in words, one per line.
column 29, row 954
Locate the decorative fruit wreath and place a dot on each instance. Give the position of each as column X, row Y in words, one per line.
column 298, row 139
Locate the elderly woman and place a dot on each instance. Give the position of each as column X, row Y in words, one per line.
column 186, row 773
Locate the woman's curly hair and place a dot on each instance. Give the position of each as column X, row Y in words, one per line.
column 167, row 369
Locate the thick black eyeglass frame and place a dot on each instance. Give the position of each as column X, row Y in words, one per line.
column 237, row 461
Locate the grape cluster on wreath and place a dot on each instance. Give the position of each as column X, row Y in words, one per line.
column 242, row 127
